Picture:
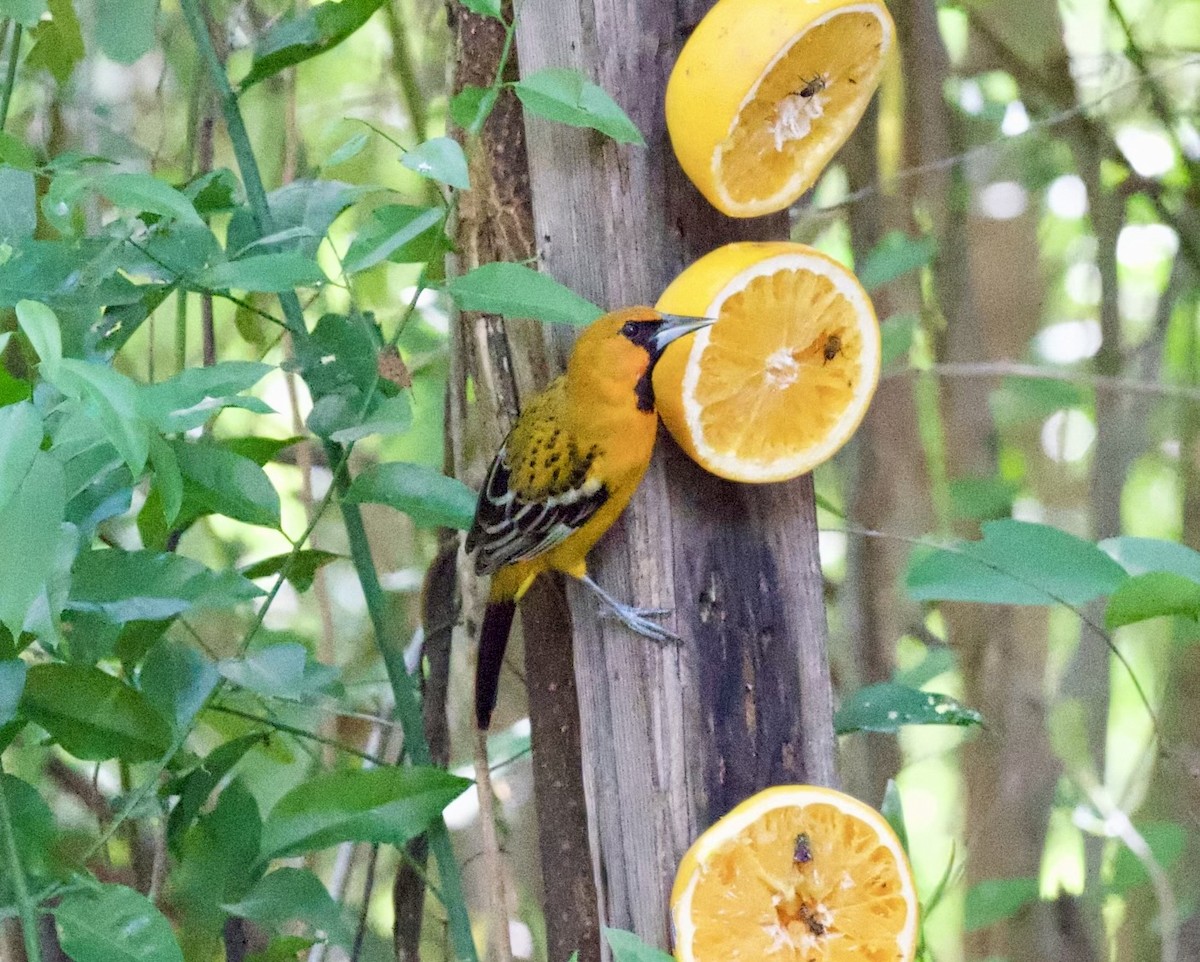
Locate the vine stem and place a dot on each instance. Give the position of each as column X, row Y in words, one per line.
column 408, row 707
column 10, row 78
column 12, row 864
column 408, row 710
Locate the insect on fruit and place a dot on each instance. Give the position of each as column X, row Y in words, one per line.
column 803, row 851
column 813, row 87
column 809, row 917
column 833, row 347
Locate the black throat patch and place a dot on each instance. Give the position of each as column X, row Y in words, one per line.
column 644, row 389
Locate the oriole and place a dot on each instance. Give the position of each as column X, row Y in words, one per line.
column 565, row 473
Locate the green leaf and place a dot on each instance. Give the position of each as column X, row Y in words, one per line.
column 168, row 480
column 1157, row 594
column 221, row 482
column 894, row 256
column 513, row 290
column 1016, row 563
column 439, row 159
column 16, row 153
column 289, row 894
column 349, row 150
column 301, row 571
column 144, row 192
column 12, row 683
column 1166, row 840
column 29, row 532
column 26, row 12
column 399, row 233
column 485, row 8
column 627, row 947
column 1020, row 400
column 147, row 586
column 428, row 497
column 471, row 107
column 301, row 214
column 384, row 805
column 114, row 399
column 279, row 671
column 40, row 325
column 189, row 399
column 21, row 435
column 33, row 829
column 898, row 334
column 57, row 42
column 995, row 900
column 339, row 362
column 113, row 923
column 887, row 706
column 566, row 97
column 1138, row 556
column 217, row 861
column 214, row 192
column 388, row 415
column 893, row 810
column 92, row 714
column 301, row 38
column 18, row 214
column 983, row 498
column 266, row 273
column 125, row 28
column 286, row 948
column 257, row 449
column 177, row 681
column 195, row 787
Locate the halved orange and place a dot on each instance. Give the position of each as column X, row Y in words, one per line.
column 784, row 377
column 766, row 91
column 797, row 873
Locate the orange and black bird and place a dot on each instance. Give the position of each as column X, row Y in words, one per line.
column 565, row 473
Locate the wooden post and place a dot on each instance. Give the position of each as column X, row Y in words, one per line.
column 672, row 737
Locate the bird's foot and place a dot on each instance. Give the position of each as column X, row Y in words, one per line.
column 638, row 620
column 635, row 619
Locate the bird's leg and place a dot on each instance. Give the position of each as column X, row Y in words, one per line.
column 635, row 619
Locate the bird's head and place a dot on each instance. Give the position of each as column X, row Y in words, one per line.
column 625, row 345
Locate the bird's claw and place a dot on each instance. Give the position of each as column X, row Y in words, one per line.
column 638, row 621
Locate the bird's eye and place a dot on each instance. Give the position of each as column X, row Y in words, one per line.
column 629, row 330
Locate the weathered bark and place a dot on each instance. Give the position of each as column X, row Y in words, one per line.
column 671, row 737
column 508, row 363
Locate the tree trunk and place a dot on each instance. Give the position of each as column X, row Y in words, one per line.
column 671, row 737
column 507, row 362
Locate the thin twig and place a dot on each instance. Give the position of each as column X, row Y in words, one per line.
column 10, row 77
column 368, row 887
column 1013, row 369
column 496, row 880
column 886, row 184
column 16, row 872
column 298, row 732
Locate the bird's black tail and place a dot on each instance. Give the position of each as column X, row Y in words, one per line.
column 493, row 639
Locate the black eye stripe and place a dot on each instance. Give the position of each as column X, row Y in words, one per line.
column 641, row 332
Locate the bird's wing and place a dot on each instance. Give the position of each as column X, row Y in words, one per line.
column 529, row 505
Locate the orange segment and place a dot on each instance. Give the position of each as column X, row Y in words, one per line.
column 783, row 378
column 766, row 91
column 797, row 873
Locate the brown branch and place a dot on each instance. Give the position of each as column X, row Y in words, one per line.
column 1099, row 382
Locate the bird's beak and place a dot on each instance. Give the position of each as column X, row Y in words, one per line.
column 675, row 327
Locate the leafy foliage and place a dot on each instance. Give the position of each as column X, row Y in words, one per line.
column 886, row 707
